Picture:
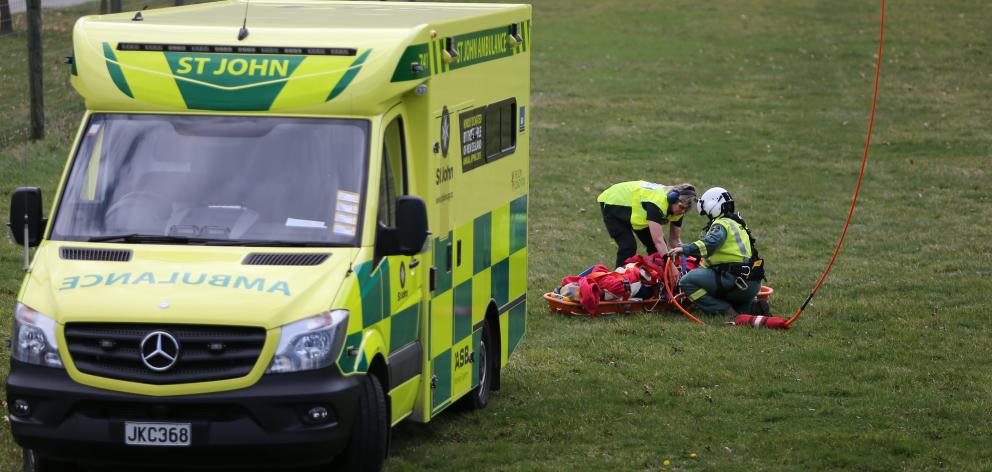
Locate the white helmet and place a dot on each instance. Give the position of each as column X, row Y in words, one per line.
column 715, row 202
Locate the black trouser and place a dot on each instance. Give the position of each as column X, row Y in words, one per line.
column 617, row 220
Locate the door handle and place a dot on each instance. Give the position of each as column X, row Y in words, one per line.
column 414, row 262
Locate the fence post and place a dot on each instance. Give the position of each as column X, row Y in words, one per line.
column 5, row 18
column 35, row 70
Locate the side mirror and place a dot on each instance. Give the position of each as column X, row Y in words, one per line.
column 411, row 224
column 410, row 233
column 25, row 211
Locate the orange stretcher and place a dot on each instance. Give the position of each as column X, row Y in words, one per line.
column 561, row 305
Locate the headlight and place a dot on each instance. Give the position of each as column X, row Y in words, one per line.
column 34, row 339
column 310, row 343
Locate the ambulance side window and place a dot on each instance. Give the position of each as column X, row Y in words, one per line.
column 501, row 130
column 393, row 180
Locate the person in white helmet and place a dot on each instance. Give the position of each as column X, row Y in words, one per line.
column 730, row 275
column 639, row 208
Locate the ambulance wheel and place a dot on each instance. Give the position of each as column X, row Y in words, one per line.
column 480, row 396
column 35, row 463
column 369, row 442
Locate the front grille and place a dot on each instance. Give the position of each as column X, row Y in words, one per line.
column 206, row 353
column 91, row 254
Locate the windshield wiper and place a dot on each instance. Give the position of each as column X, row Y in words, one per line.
column 269, row 243
column 138, row 238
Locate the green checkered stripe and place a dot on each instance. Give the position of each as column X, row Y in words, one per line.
column 491, row 265
column 399, row 327
column 430, row 56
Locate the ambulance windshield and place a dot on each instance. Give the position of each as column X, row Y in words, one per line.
column 184, row 179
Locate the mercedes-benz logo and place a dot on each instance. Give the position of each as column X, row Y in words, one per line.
column 159, row 351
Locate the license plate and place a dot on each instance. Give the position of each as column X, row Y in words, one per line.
column 157, row 434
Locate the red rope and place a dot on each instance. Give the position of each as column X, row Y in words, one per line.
column 857, row 189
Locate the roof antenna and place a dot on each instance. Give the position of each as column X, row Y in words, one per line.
column 243, row 32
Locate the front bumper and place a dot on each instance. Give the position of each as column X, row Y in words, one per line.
column 262, row 426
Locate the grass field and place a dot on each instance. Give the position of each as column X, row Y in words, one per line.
column 889, row 367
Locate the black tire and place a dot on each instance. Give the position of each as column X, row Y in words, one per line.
column 369, row 443
column 479, row 397
column 35, row 463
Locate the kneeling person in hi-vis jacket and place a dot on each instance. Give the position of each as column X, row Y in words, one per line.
column 731, row 272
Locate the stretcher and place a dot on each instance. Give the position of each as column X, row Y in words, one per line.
column 557, row 303
column 561, row 305
column 664, row 297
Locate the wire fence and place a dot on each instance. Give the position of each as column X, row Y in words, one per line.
column 13, row 6
column 26, row 106
column 15, row 16
column 7, row 9
column 12, row 11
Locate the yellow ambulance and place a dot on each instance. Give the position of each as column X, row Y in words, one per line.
column 284, row 227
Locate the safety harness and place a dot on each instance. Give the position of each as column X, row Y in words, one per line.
column 743, row 272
